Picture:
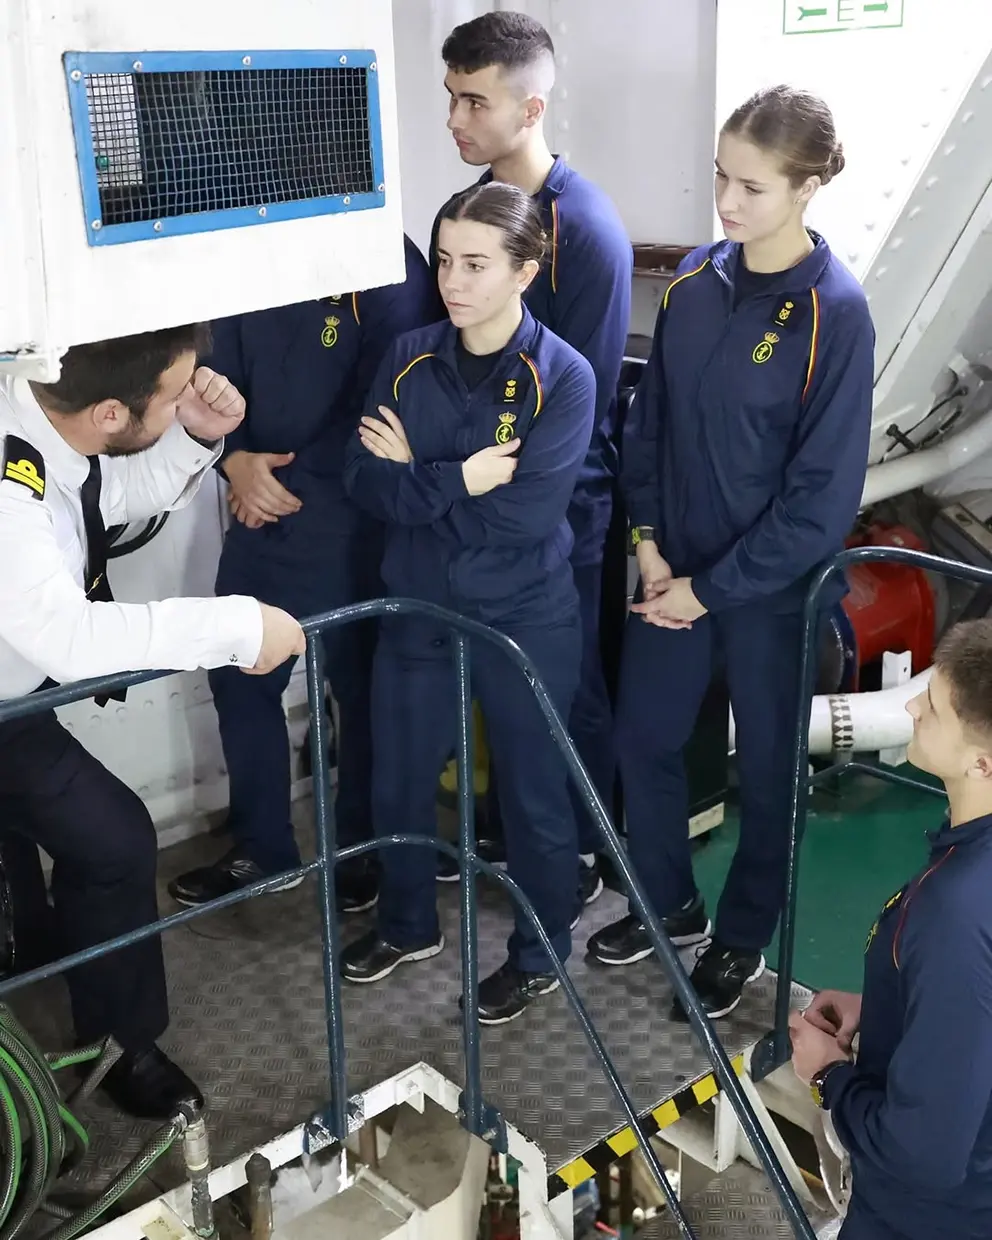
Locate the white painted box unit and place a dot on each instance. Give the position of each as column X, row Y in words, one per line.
column 170, row 163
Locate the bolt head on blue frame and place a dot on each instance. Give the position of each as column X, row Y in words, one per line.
column 177, row 143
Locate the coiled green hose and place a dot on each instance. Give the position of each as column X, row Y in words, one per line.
column 40, row 1137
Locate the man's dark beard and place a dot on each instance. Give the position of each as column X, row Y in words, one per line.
column 121, row 448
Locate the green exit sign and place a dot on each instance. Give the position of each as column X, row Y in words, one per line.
column 830, row 16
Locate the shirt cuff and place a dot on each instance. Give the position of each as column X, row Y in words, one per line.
column 706, row 592
column 189, row 455
column 835, row 1083
column 243, row 642
column 451, row 479
column 641, row 513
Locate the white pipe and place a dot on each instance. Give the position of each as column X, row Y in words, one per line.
column 913, row 470
column 865, row 721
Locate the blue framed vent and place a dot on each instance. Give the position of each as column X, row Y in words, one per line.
column 173, row 143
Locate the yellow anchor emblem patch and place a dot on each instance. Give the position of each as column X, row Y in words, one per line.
column 764, row 349
column 329, row 336
column 504, row 432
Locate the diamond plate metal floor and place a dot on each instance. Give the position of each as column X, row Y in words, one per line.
column 739, row 1203
column 248, row 1023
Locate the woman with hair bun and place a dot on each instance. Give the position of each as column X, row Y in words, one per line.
column 744, row 461
column 475, row 431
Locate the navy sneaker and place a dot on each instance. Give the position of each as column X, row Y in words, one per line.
column 507, row 993
column 371, row 958
column 626, row 941
column 231, row 873
column 719, row 978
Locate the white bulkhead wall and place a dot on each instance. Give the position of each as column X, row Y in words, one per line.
column 643, row 86
column 910, row 86
column 633, row 109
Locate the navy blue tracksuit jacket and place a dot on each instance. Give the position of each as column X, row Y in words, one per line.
column 747, row 440
column 500, row 558
column 915, row 1111
column 305, row 371
column 582, row 293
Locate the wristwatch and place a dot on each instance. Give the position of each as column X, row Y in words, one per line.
column 818, row 1084
column 641, row 533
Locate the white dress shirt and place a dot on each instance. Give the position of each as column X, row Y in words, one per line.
column 48, row 627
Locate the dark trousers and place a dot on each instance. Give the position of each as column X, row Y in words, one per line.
column 55, row 794
column 414, row 710
column 339, row 571
column 589, row 722
column 664, row 676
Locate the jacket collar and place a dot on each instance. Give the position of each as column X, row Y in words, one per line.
column 725, row 256
column 554, row 182
column 978, row 830
column 61, row 461
column 521, row 341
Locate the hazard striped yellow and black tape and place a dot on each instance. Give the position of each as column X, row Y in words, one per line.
column 610, row 1149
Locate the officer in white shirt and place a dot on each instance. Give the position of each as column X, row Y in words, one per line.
column 129, row 430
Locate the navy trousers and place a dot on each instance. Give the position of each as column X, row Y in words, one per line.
column 664, row 676
column 414, row 709
column 336, row 571
column 589, row 722
column 55, row 794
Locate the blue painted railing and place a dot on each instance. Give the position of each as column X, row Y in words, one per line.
column 480, row 1119
column 777, row 1048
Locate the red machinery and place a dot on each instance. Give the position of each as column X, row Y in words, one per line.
column 889, row 606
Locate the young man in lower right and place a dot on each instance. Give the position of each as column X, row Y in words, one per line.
column 914, row 1109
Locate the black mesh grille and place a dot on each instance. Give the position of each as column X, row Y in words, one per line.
column 168, row 144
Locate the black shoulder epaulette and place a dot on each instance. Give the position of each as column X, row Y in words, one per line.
column 24, row 464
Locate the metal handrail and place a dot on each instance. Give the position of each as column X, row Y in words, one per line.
column 779, row 1051
column 480, row 1120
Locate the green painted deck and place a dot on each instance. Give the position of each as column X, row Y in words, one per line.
column 860, row 846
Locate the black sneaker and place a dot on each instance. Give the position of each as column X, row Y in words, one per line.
column 371, row 958
column 626, row 941
column 210, row 882
column 356, row 892
column 492, row 851
column 719, row 978
column 148, row 1085
column 590, row 881
column 505, row 994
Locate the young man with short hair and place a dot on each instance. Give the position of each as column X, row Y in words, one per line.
column 914, row 1109
column 500, row 72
